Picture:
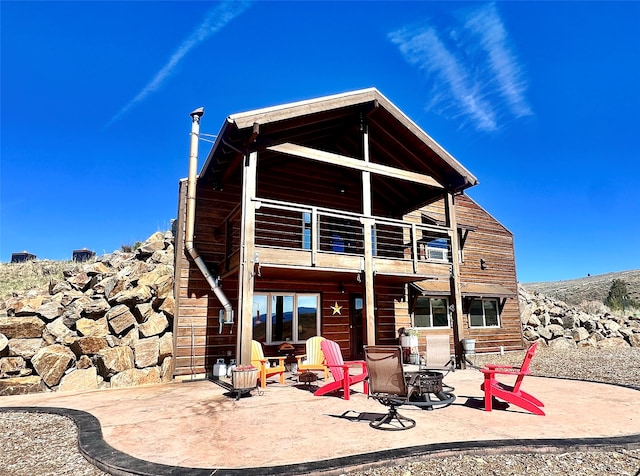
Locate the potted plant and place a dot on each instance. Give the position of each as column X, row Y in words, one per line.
column 410, row 338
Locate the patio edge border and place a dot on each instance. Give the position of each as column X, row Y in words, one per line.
column 102, row 455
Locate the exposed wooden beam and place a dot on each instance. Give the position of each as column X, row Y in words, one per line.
column 343, row 161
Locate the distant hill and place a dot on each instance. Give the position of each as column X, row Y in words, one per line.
column 590, row 288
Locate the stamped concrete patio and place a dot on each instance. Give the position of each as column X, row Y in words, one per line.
column 196, row 427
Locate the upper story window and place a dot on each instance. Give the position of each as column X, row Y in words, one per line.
column 431, row 312
column 290, row 317
column 484, row 313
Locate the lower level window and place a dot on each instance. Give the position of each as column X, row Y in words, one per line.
column 484, row 313
column 285, row 317
column 431, row 312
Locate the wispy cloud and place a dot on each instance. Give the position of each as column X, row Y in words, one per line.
column 215, row 19
column 472, row 69
column 487, row 25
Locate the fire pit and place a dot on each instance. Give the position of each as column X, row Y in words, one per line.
column 307, row 378
column 428, row 389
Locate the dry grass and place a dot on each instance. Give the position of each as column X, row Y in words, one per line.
column 22, row 277
column 590, row 288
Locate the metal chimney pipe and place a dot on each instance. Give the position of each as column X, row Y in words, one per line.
column 191, row 217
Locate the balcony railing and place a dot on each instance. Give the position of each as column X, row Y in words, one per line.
column 289, row 226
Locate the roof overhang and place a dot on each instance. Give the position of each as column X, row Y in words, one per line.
column 442, row 288
column 333, row 125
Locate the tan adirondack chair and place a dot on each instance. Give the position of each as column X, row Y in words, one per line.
column 314, row 358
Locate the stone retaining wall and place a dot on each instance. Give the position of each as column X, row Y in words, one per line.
column 107, row 324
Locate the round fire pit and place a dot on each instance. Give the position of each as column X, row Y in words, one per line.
column 428, row 389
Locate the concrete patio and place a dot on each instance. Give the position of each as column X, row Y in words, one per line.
column 196, row 427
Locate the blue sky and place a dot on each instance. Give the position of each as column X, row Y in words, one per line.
column 538, row 99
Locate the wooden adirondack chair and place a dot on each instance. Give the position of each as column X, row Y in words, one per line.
column 263, row 364
column 511, row 394
column 314, row 358
column 342, row 379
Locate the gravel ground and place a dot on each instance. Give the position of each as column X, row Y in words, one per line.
column 44, row 444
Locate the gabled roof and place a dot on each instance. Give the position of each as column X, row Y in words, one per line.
column 333, row 124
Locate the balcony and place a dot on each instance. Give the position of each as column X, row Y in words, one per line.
column 289, row 235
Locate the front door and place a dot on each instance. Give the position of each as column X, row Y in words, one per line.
column 356, row 327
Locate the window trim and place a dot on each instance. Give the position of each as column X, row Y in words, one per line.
column 294, row 320
column 484, row 317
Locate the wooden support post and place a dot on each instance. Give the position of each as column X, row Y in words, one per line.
column 368, row 247
column 456, row 295
column 247, row 260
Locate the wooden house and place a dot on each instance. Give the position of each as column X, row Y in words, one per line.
column 339, row 217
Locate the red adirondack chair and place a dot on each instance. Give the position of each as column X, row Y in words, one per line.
column 510, row 393
column 342, row 379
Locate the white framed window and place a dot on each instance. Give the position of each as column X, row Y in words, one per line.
column 285, row 317
column 484, row 313
column 431, row 312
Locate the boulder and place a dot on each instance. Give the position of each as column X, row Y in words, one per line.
column 114, row 360
column 168, row 306
column 4, row 345
column 146, row 352
column 106, row 286
column 166, row 370
column 51, row 362
column 21, row 327
column 49, row 310
column 93, row 269
column 12, row 366
column 634, row 340
column 155, row 324
column 26, row 306
column 569, row 321
column 579, row 334
column 120, row 319
column 96, row 308
column 612, row 343
column 89, row 345
column 79, row 281
column 59, row 330
column 21, row 385
column 25, row 348
column 561, row 343
column 92, row 328
column 84, row 362
column 59, row 287
column 80, row 379
column 165, row 346
column 133, row 377
column 134, row 296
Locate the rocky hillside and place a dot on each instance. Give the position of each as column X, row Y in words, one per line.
column 563, row 326
column 590, row 288
column 106, row 323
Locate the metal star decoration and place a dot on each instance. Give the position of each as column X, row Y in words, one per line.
column 336, row 309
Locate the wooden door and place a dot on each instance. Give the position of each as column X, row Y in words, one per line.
column 357, row 328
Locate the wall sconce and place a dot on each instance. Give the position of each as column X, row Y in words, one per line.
column 341, row 288
column 483, row 264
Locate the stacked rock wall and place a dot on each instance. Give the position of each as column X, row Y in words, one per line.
column 562, row 326
column 107, row 324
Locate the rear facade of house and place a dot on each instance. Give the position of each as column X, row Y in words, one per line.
column 338, row 217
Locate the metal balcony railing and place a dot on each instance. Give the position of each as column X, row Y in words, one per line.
column 284, row 225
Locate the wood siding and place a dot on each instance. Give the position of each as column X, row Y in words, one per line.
column 488, row 240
